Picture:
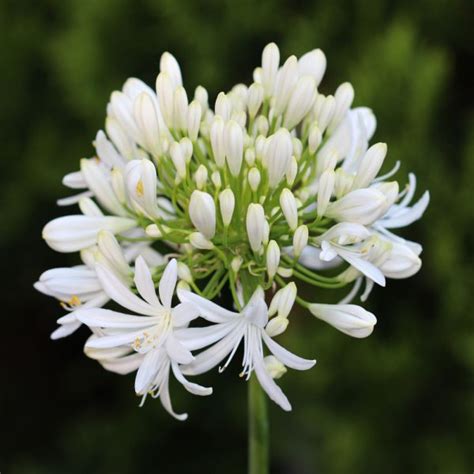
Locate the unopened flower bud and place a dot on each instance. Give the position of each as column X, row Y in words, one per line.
column 300, row 240
column 234, row 146
column 227, row 204
column 236, row 264
column 292, row 171
column 198, row 241
column 277, row 156
column 153, row 231
column 217, row 141
column 289, row 207
column 370, row 165
column 200, row 177
column 223, row 106
column 255, row 222
column 216, row 179
column 177, row 156
column 255, row 99
column 202, row 212
column 326, row 187
column 270, row 63
column 276, row 326
column 254, row 178
column 272, row 258
column 184, row 273
column 194, row 119
column 274, row 367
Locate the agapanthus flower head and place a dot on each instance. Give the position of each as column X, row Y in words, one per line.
column 273, row 186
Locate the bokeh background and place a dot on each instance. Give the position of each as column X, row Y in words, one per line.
column 401, row 401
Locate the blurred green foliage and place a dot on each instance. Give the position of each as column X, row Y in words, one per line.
column 401, row 401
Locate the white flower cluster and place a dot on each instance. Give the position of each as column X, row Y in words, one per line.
column 275, row 185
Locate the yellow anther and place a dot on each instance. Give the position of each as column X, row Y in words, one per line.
column 139, row 188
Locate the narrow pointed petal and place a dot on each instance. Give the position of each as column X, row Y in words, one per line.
column 123, row 365
column 166, row 400
column 193, row 388
column 176, row 351
column 144, row 282
column 147, row 371
column 197, row 338
column 121, row 294
column 184, row 313
column 207, row 309
column 286, row 357
column 106, row 318
column 168, row 283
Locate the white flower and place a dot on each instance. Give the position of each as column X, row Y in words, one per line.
column 152, row 338
column 277, row 156
column 350, row 319
column 255, row 226
column 227, row 333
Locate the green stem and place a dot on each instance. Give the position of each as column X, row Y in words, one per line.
column 257, row 428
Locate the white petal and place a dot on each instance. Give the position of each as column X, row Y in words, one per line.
column 286, row 357
column 105, row 318
column 121, row 294
column 166, row 400
column 184, row 313
column 197, row 338
column 209, row 358
column 65, row 330
column 365, row 267
column 207, row 309
column 176, row 350
column 148, row 370
column 193, row 388
column 144, row 282
column 120, row 339
column 123, row 365
column 168, row 283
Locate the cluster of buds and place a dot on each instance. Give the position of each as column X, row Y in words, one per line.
column 273, row 186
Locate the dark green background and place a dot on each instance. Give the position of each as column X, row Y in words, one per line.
column 401, row 401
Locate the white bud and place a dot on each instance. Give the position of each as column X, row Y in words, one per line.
column 326, row 113
column 201, row 95
column 223, row 106
column 325, row 190
column 370, row 165
column 183, row 286
column 187, row 146
column 272, row 258
column 343, row 183
column 184, row 273
column 112, row 251
column 297, row 147
column 266, row 232
column 300, row 240
column 315, row 138
column 402, row 262
column 255, row 99
column 180, row 109
column 300, row 102
column 270, row 63
column 344, row 96
column 236, row 264
column 287, row 299
column 194, row 119
column 313, row 64
column 216, row 179
column 165, row 93
column 169, row 65
column 277, row 156
column 198, row 241
column 261, row 125
column 255, row 223
column 292, row 171
column 274, row 367
column 362, row 206
column 202, row 212
column 146, row 117
column 234, row 146
column 326, row 161
column 289, row 207
column 227, row 204
column 200, row 177
column 347, row 318
column 254, row 178
column 217, row 141
column 118, row 184
column 250, row 156
column 179, row 162
column 286, row 81
column 276, row 326
column 285, row 272
column 153, row 231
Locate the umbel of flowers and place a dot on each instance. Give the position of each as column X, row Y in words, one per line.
column 273, row 187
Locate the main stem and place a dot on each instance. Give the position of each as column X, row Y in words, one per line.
column 257, row 428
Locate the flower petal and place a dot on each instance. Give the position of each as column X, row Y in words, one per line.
column 286, row 357
column 193, row 388
column 177, row 351
column 106, row 318
column 168, row 283
column 148, row 370
column 144, row 282
column 123, row 365
column 184, row 313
